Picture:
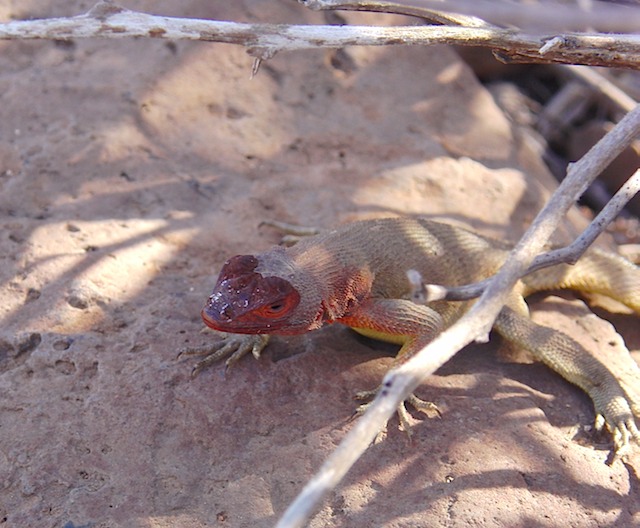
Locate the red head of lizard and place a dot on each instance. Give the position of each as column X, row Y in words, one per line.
column 246, row 302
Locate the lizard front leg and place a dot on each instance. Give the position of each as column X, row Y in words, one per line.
column 401, row 322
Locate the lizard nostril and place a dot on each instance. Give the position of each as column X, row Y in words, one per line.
column 226, row 312
column 213, row 317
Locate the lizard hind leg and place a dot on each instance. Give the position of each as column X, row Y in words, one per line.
column 615, row 408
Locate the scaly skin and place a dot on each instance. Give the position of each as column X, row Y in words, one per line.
column 356, row 275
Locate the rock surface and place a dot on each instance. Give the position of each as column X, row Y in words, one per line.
column 130, row 170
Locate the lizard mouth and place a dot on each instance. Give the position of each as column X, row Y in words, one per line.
column 208, row 320
column 243, row 326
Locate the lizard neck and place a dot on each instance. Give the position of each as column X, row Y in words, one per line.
column 336, row 287
column 329, row 287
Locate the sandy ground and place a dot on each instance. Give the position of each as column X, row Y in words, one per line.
column 130, row 170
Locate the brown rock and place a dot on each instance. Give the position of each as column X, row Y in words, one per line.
column 164, row 158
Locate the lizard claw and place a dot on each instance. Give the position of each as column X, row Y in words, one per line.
column 233, row 347
column 618, row 418
column 405, row 419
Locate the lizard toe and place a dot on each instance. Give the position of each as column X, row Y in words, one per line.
column 233, row 347
column 624, row 434
column 425, row 407
column 404, row 417
column 620, row 421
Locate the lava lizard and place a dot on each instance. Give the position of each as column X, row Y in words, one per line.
column 356, row 275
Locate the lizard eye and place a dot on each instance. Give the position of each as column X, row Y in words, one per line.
column 273, row 310
column 277, row 308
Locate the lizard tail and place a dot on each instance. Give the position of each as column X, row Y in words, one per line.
column 596, row 272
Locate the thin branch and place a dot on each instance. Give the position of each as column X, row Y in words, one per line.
column 535, row 16
column 599, row 83
column 437, row 16
column 571, row 253
column 400, row 382
column 567, row 255
column 108, row 20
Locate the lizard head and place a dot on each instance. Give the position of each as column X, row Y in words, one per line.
column 246, row 301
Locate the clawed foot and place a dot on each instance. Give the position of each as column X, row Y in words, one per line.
column 233, row 347
column 624, row 431
column 405, row 419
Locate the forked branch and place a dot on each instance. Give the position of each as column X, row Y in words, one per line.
column 566, row 255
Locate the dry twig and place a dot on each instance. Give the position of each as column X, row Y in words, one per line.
column 598, row 82
column 107, row 20
column 544, row 15
column 409, row 9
